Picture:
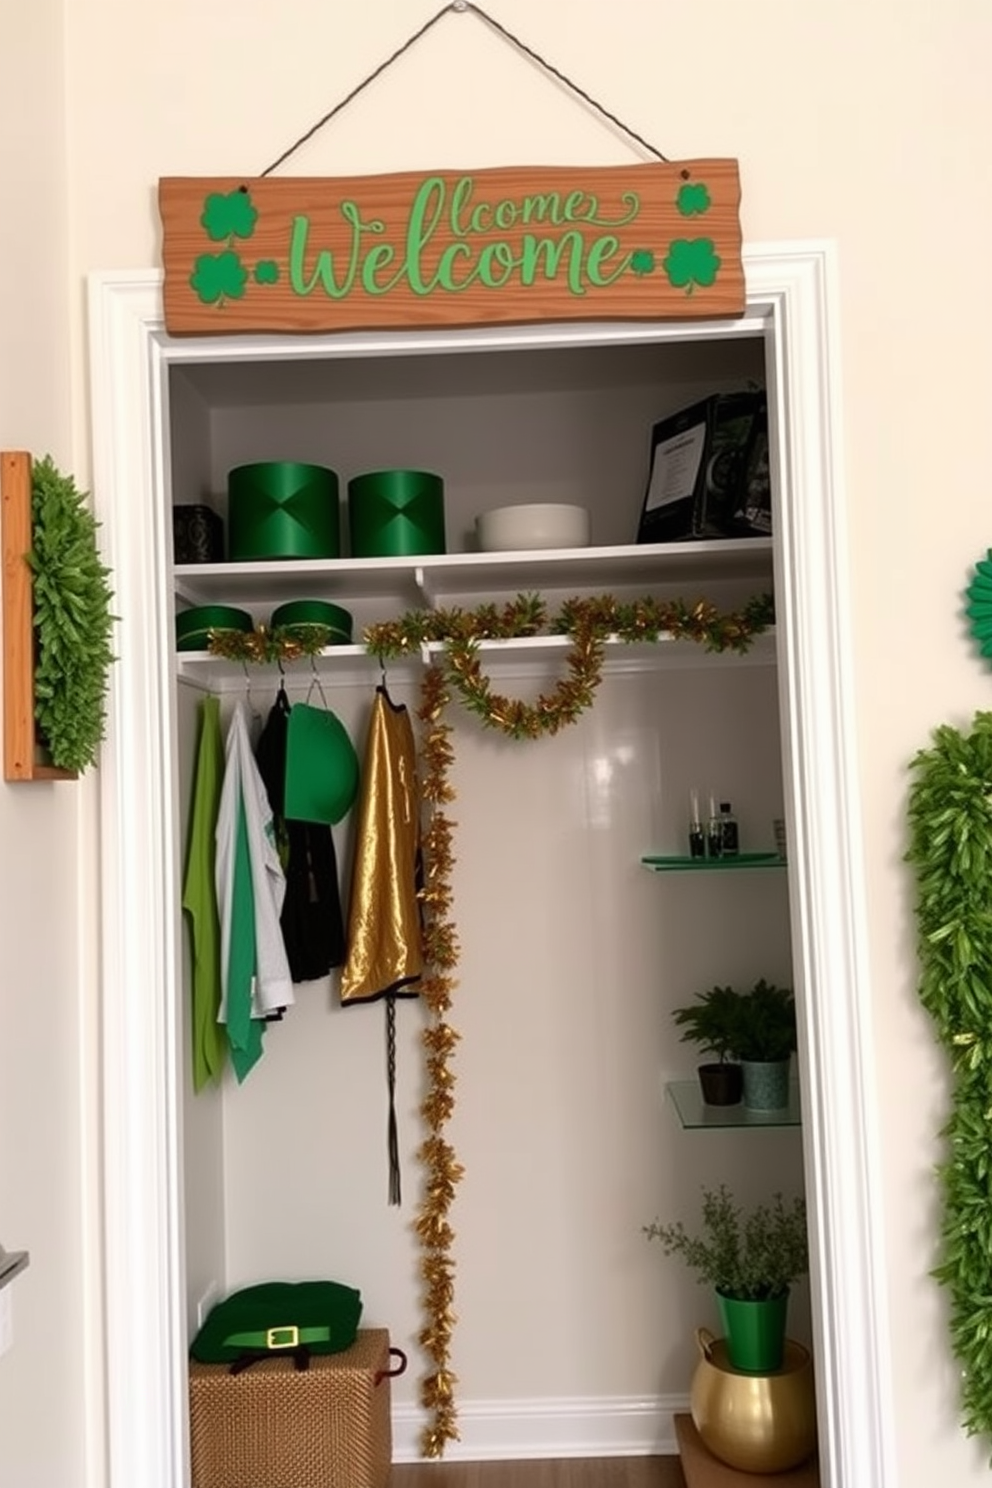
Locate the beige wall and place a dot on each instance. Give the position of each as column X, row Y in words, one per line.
column 44, row 1012
column 866, row 121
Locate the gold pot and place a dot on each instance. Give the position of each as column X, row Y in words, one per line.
column 761, row 1423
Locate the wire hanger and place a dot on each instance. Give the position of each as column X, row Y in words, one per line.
column 253, row 713
column 316, row 682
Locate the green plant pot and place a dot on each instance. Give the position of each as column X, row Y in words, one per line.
column 755, row 1331
column 766, row 1086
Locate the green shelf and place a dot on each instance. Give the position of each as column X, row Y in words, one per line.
column 693, row 1113
column 743, row 861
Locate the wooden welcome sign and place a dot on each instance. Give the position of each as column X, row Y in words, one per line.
column 452, row 248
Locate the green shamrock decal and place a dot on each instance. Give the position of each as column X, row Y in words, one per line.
column 693, row 200
column 230, row 216
column 642, row 261
column 266, row 271
column 218, row 276
column 691, row 261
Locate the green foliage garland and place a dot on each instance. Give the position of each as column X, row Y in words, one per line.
column 950, row 821
column 72, row 619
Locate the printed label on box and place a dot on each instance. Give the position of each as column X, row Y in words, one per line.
column 676, row 467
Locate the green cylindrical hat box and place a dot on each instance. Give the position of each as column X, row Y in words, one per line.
column 300, row 613
column 282, row 509
column 193, row 626
column 396, row 514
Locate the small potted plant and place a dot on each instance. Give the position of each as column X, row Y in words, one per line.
column 764, row 1042
column 751, row 1258
column 710, row 1022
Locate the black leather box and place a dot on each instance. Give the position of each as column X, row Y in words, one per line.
column 197, row 535
column 700, row 460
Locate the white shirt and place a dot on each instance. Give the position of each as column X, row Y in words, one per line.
column 243, row 785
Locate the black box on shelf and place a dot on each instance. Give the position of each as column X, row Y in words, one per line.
column 704, row 459
column 197, row 535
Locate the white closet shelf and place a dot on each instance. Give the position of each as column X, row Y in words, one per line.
column 426, row 580
column 521, row 656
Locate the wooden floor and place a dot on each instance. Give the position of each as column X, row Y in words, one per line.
column 572, row 1472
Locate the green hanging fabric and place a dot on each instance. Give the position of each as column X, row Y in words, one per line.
column 243, row 1031
column 200, row 900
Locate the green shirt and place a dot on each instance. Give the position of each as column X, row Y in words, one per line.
column 200, row 899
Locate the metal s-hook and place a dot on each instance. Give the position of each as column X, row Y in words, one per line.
column 383, row 686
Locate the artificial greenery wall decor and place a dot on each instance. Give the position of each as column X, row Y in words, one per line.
column 72, row 619
column 950, row 820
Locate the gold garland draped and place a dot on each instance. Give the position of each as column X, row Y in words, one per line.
column 589, row 623
column 441, row 1170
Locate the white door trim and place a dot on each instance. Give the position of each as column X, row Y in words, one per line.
column 792, row 297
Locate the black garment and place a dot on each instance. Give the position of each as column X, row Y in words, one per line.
column 312, row 922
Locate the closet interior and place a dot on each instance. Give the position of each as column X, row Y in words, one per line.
column 573, row 953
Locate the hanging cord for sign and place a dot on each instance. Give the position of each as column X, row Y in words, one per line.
column 459, row 7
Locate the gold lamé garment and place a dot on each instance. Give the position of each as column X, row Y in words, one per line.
column 384, row 929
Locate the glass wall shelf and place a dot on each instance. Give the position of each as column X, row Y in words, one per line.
column 692, row 1111
column 662, row 864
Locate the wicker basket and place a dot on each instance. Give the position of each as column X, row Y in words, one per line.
column 273, row 1426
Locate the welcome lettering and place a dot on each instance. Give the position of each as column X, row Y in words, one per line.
column 579, row 256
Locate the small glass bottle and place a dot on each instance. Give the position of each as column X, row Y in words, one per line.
column 729, row 835
column 697, row 837
column 714, row 833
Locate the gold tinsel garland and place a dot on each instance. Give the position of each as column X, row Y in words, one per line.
column 589, row 623
column 281, row 643
column 442, row 1172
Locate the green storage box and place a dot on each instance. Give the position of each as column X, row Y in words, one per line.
column 193, row 626
column 282, row 509
column 304, row 612
column 396, row 514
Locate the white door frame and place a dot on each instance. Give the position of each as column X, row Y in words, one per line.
column 791, row 299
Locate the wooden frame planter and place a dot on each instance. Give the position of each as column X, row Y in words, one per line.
column 23, row 756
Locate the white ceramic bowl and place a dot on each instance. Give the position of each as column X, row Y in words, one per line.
column 532, row 525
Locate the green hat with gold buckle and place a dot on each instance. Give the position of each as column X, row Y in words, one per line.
column 280, row 1316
